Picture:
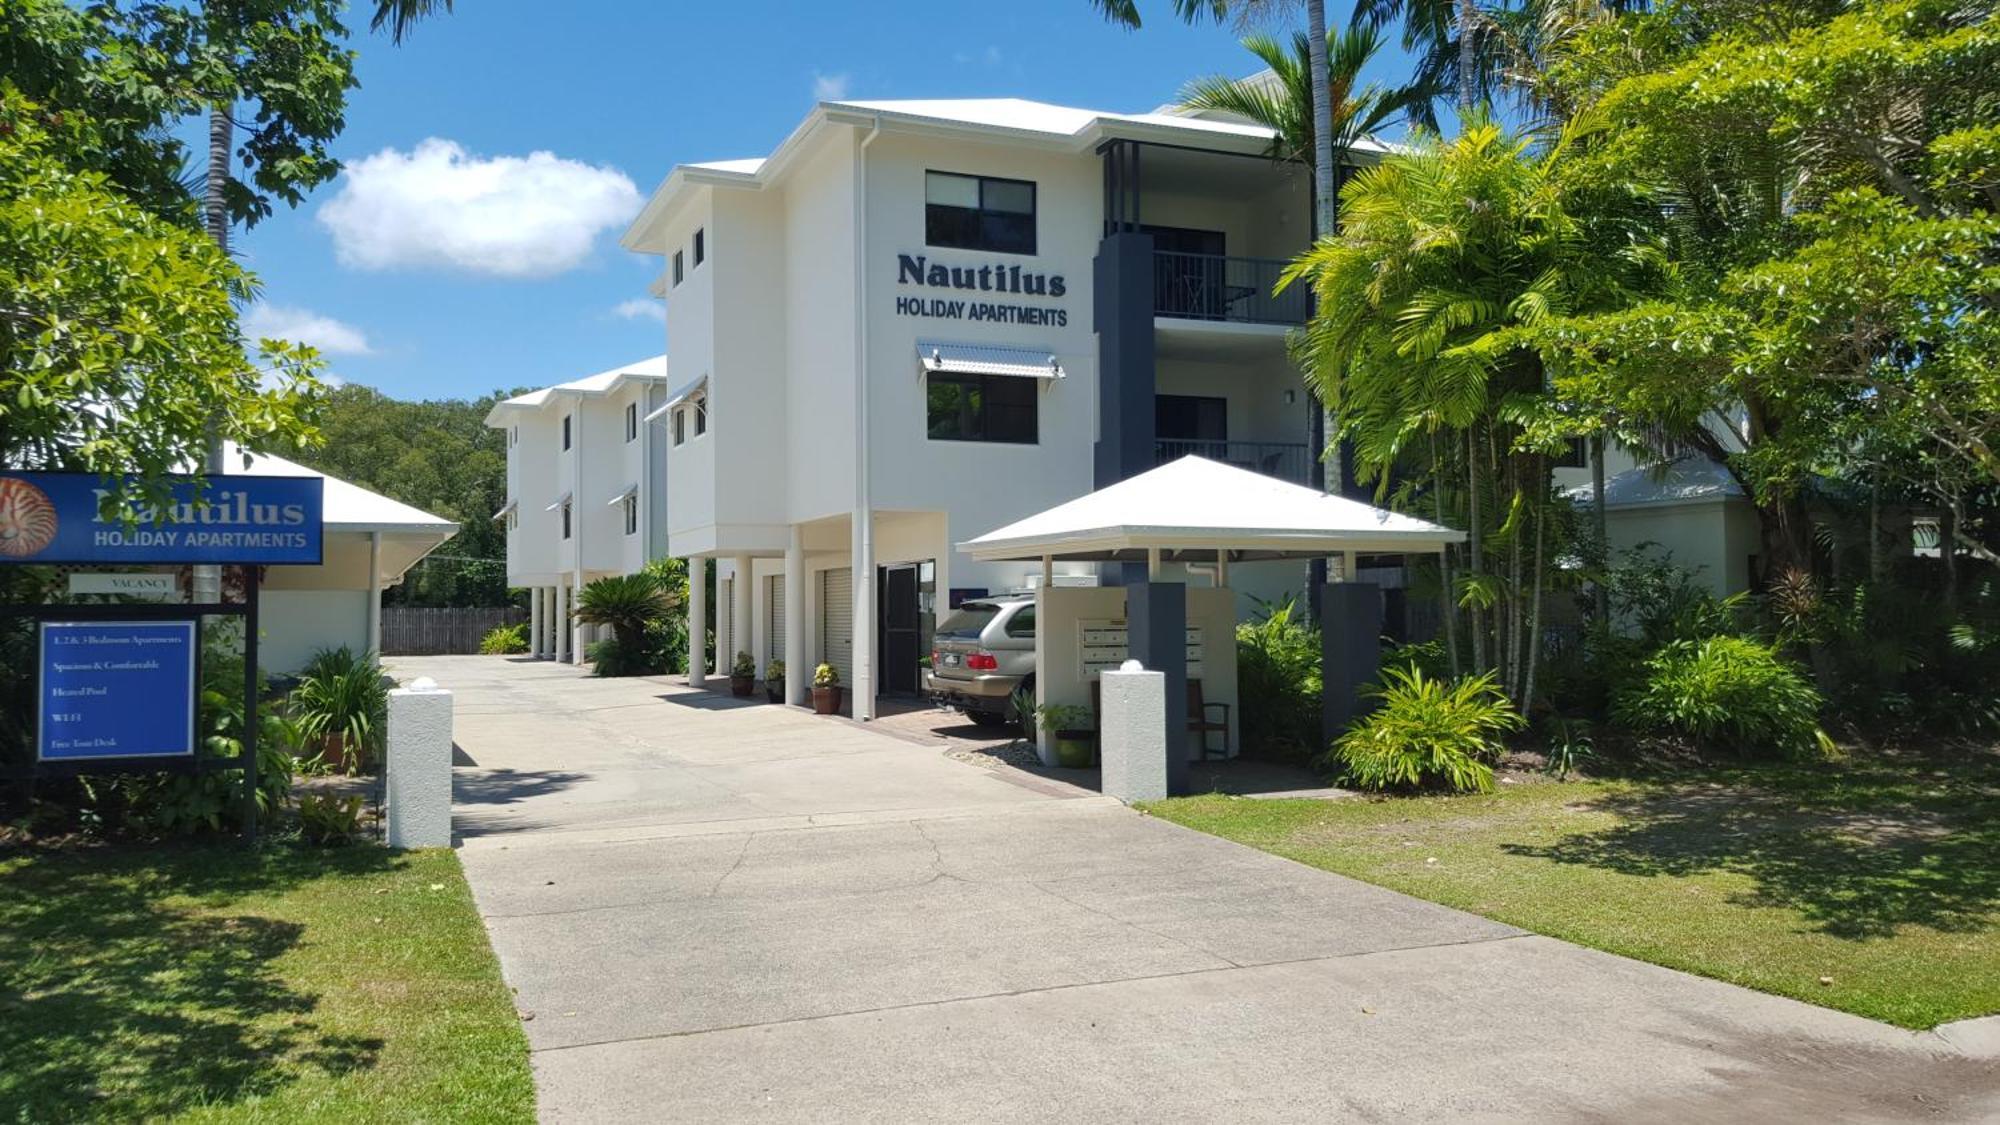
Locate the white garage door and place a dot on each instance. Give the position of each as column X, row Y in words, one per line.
column 836, row 621
column 774, row 628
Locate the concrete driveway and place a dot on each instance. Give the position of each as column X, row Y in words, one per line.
column 717, row 912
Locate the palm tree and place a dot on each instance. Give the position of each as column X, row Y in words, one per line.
column 626, row 603
column 400, row 15
column 1283, row 102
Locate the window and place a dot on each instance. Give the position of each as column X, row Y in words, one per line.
column 566, row 419
column 632, row 514
column 631, row 421
column 701, row 416
column 982, row 408
column 1190, row 418
column 680, row 269
column 700, row 246
column 565, row 515
column 680, row 425
column 513, row 519
column 1021, row 626
column 979, row 213
column 513, row 435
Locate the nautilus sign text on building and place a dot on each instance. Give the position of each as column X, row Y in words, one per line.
column 978, row 292
column 59, row 518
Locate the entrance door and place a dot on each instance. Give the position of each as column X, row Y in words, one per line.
column 899, row 627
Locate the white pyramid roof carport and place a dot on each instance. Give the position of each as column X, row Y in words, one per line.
column 1193, row 508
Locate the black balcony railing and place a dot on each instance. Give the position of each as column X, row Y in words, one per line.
column 1290, row 461
column 1213, row 287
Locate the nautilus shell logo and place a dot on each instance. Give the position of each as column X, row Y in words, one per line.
column 27, row 519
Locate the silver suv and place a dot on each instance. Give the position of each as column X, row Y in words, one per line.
column 980, row 654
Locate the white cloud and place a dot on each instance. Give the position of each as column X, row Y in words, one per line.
column 303, row 326
column 641, row 308
column 829, row 87
column 441, row 207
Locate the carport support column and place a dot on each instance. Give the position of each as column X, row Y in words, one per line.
column 375, row 592
column 739, row 612
column 1156, row 636
column 561, row 615
column 1350, row 631
column 798, row 674
column 535, row 621
column 697, row 621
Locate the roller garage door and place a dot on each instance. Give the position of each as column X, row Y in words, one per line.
column 836, row 621
column 774, row 627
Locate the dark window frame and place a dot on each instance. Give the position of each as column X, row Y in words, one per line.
column 632, row 514
column 631, row 422
column 680, row 264
column 1022, row 389
column 976, row 226
column 566, row 519
column 566, row 431
column 700, row 246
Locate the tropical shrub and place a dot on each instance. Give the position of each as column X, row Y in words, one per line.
column 1278, row 683
column 744, row 667
column 329, row 819
column 1726, row 693
column 1428, row 731
column 627, row 604
column 505, row 640
column 341, row 704
column 826, row 675
column 774, row 672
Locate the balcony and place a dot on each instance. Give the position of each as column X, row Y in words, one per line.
column 1217, row 288
column 1285, row 460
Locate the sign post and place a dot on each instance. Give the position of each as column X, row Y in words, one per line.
column 119, row 685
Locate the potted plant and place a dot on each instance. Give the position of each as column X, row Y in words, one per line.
column 742, row 676
column 826, row 690
column 1069, row 725
column 774, row 681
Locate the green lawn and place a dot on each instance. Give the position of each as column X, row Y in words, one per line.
column 214, row 983
column 1871, row 885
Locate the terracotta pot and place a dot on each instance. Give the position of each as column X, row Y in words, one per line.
column 826, row 700
column 742, row 686
column 775, row 692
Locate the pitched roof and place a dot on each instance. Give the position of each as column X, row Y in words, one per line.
column 1194, row 507
column 1691, row 479
column 347, row 507
column 593, row 386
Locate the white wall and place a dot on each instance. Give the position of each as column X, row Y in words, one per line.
column 295, row 624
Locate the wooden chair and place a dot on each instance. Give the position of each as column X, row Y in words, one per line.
column 1198, row 722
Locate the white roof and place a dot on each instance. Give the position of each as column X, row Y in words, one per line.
column 1691, row 479
column 1194, row 507
column 1042, row 117
column 348, row 507
column 602, row 383
column 988, row 359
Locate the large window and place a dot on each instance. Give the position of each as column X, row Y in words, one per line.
column 979, row 213
column 982, row 408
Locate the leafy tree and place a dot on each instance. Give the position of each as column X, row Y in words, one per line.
column 1825, row 187
column 118, row 341
column 438, row 455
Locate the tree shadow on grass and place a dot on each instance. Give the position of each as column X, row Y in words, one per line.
column 1858, row 848
column 116, row 1004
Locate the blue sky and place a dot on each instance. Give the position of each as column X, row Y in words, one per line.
column 451, row 259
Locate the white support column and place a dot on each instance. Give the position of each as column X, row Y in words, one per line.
column 577, row 630
column 697, row 621
column 562, row 624
column 375, row 592
column 739, row 611
column 863, row 561
column 535, row 621
column 548, row 642
column 798, row 672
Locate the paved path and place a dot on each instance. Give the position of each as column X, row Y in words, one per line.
column 720, row 912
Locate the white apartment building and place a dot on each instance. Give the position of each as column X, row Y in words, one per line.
column 586, row 469
column 918, row 321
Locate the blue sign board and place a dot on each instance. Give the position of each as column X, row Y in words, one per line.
column 116, row 689
column 57, row 518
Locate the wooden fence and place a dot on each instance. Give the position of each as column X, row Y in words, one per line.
column 429, row 631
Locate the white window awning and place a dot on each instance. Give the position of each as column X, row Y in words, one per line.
column 630, row 491
column 987, row 359
column 560, row 501
column 685, row 392
column 509, row 510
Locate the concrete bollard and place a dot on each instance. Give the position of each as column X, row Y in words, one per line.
column 419, row 766
column 1132, row 741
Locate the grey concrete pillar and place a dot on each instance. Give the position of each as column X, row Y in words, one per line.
column 697, row 621
column 1350, row 633
column 418, row 766
column 1122, row 313
column 1156, row 636
column 1132, row 735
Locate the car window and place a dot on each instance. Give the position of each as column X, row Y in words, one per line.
column 968, row 621
column 1022, row 624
